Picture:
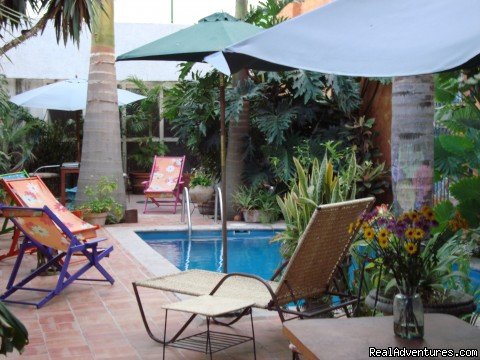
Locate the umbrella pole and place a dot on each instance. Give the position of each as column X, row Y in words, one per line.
column 77, row 131
column 223, row 165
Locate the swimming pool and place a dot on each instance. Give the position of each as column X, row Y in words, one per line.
column 248, row 251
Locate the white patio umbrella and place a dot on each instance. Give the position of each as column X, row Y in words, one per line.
column 67, row 95
column 365, row 38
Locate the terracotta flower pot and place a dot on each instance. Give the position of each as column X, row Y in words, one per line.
column 78, row 213
column 252, row 216
column 96, row 219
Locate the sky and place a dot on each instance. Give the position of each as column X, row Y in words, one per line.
column 185, row 12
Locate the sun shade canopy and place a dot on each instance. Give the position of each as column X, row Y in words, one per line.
column 366, row 38
column 67, row 95
column 212, row 33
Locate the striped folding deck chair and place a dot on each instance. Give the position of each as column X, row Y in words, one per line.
column 165, row 184
column 32, row 192
column 13, row 249
column 45, row 231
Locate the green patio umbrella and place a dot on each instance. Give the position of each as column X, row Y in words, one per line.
column 211, row 34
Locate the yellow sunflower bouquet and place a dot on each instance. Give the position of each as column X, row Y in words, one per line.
column 398, row 242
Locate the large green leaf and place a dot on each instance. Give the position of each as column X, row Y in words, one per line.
column 466, row 189
column 467, row 192
column 308, row 84
column 461, row 117
column 456, row 144
column 444, row 212
column 13, row 333
column 470, row 211
column 275, row 120
column 446, row 87
column 346, row 92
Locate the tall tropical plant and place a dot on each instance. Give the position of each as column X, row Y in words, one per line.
column 191, row 107
column 266, row 13
column 143, row 114
column 101, row 152
column 141, row 120
column 312, row 186
column 412, row 142
column 457, row 150
column 69, row 18
column 17, row 130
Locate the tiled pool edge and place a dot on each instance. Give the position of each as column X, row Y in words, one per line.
column 141, row 251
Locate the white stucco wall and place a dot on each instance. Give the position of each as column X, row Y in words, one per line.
column 42, row 58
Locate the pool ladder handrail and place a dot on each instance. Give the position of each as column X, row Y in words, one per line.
column 186, row 209
column 218, row 200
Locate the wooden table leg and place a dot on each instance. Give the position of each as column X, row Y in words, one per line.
column 62, row 186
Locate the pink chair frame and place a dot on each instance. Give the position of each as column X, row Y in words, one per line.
column 161, row 184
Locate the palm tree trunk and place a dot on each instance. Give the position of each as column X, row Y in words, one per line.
column 237, row 132
column 101, row 151
column 241, row 9
column 412, row 141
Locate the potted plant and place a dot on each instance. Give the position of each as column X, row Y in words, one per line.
column 268, row 206
column 143, row 160
column 200, row 187
column 101, row 203
column 257, row 205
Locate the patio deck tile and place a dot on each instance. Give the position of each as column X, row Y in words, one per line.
column 101, row 321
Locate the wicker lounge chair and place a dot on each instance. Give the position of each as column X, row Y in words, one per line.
column 310, row 273
column 45, row 231
column 165, row 182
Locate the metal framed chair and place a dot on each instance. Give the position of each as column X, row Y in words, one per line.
column 11, row 176
column 165, row 184
column 45, row 231
column 310, row 272
column 32, row 192
column 13, row 250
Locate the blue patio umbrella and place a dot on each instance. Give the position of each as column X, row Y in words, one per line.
column 366, row 38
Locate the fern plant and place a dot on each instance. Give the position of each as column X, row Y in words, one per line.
column 312, row 186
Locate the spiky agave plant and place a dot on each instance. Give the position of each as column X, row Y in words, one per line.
column 320, row 184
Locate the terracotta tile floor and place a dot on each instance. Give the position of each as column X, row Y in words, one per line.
column 100, row 321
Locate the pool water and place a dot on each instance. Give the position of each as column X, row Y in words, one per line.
column 248, row 251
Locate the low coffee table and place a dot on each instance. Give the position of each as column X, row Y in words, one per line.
column 209, row 342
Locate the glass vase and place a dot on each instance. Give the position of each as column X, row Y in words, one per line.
column 408, row 320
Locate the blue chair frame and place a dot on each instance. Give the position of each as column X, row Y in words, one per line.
column 60, row 261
